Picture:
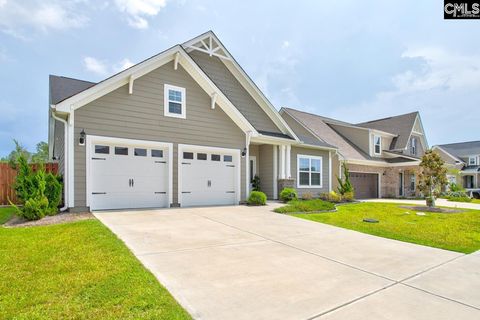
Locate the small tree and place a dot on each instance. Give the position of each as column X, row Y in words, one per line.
column 345, row 186
column 433, row 176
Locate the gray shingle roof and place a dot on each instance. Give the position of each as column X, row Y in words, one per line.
column 401, row 126
column 62, row 88
column 462, row 149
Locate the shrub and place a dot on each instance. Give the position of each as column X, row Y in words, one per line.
column 288, row 194
column 345, row 186
column 315, row 205
column 257, row 198
column 307, row 196
column 331, row 196
column 348, row 196
column 453, row 187
column 256, row 183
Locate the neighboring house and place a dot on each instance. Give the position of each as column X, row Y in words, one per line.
column 383, row 155
column 186, row 127
column 463, row 160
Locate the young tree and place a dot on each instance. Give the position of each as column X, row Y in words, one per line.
column 345, row 186
column 41, row 156
column 433, row 176
column 19, row 151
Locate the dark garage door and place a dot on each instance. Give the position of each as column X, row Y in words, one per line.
column 365, row 185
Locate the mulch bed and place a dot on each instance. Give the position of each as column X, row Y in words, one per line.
column 17, row 222
column 428, row 209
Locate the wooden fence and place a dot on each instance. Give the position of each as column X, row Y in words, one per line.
column 7, row 179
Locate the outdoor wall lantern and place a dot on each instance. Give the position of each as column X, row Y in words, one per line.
column 244, row 152
column 81, row 141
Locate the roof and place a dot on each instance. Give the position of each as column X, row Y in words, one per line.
column 62, row 88
column 401, row 125
column 462, row 149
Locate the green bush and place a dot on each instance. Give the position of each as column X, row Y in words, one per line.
column 331, row 196
column 348, row 196
column 297, row 206
column 460, row 199
column 39, row 192
column 288, row 194
column 256, row 183
column 307, row 195
column 257, row 198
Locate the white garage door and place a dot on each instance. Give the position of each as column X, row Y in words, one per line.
column 208, row 176
column 126, row 175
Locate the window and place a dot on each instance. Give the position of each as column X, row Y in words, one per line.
column 215, row 157
column 309, row 171
column 140, row 152
column 174, row 102
column 227, row 158
column 122, row 151
column 201, row 156
column 157, row 153
column 102, row 149
column 472, row 161
column 377, row 144
column 188, row 155
column 468, row 182
column 412, row 182
column 413, row 146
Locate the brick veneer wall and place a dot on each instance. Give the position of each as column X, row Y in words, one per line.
column 389, row 184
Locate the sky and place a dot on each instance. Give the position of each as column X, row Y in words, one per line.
column 350, row 60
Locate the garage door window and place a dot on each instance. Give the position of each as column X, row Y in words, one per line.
column 102, row 149
column 123, row 151
column 215, row 157
column 140, row 152
column 309, row 171
column 157, row 153
column 188, row 155
column 201, row 156
column 227, row 158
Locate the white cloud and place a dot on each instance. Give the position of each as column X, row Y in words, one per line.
column 103, row 68
column 285, row 44
column 22, row 18
column 96, row 66
column 139, row 10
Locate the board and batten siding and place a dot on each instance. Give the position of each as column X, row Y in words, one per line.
column 235, row 92
column 325, row 173
column 141, row 116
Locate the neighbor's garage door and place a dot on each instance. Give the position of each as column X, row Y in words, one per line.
column 208, row 176
column 364, row 184
column 124, row 175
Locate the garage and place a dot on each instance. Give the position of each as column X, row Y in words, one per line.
column 364, row 184
column 208, row 176
column 123, row 174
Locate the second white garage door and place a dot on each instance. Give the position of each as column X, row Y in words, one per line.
column 208, row 176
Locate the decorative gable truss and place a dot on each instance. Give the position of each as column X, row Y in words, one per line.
column 209, row 45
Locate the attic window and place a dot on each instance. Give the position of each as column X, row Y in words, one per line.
column 377, row 144
column 413, row 146
column 472, row 161
column 174, row 101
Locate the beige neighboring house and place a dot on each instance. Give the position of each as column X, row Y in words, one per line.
column 186, row 127
column 463, row 160
column 383, row 155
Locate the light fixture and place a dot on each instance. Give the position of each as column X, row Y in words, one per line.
column 81, row 141
column 244, row 152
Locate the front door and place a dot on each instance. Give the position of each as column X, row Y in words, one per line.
column 252, row 169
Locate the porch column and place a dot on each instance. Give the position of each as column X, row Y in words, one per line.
column 288, row 173
column 275, row 172
column 282, row 162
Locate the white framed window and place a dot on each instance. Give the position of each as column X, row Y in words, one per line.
column 377, row 144
column 413, row 146
column 472, row 161
column 174, row 101
column 309, row 171
column 413, row 181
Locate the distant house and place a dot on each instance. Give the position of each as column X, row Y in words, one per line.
column 465, row 157
column 383, row 155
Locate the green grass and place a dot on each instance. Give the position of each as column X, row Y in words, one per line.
column 477, row 201
column 457, row 232
column 6, row 213
column 313, row 205
column 77, row 270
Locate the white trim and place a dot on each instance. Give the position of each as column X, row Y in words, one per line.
column 65, row 163
column 329, row 171
column 382, row 164
column 448, row 154
column 71, row 159
column 275, row 171
column 310, row 186
column 288, row 155
column 92, row 139
column 375, row 136
column 260, row 138
column 475, row 159
column 166, row 101
column 281, row 174
column 250, row 158
column 196, row 148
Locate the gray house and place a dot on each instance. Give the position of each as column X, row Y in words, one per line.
column 464, row 157
column 186, row 127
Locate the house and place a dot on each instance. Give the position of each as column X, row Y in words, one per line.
column 186, row 127
column 463, row 160
column 383, row 155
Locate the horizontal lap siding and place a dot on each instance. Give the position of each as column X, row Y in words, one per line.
column 140, row 116
column 325, row 173
column 59, row 146
column 234, row 91
column 265, row 166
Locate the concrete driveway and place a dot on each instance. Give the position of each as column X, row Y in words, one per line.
column 250, row 263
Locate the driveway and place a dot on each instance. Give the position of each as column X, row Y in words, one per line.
column 250, row 263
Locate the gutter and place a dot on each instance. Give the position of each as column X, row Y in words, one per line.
column 65, row 163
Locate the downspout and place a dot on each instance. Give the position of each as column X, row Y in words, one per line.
column 65, row 164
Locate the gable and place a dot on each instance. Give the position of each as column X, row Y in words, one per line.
column 233, row 89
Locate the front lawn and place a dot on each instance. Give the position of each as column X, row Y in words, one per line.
column 5, row 214
column 455, row 231
column 313, row 205
column 77, row 270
